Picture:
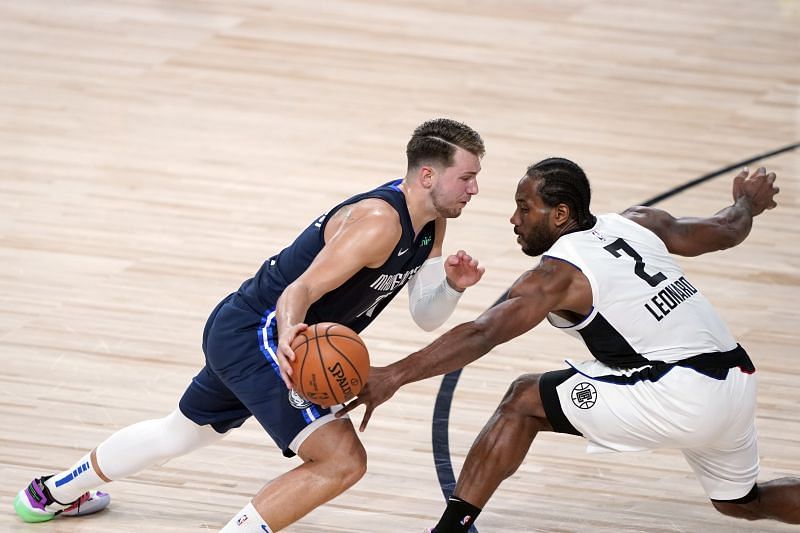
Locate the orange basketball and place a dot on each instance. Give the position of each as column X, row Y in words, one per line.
column 331, row 364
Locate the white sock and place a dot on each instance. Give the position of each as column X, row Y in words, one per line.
column 69, row 485
column 246, row 521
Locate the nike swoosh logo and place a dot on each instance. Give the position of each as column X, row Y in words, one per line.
column 401, row 252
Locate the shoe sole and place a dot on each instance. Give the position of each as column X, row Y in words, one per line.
column 95, row 504
column 27, row 514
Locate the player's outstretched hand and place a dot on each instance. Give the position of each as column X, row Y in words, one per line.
column 759, row 188
column 380, row 386
column 462, row 270
column 285, row 354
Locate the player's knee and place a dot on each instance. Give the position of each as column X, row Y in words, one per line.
column 522, row 397
column 744, row 511
column 778, row 499
column 176, row 435
column 351, row 467
column 338, row 453
column 748, row 507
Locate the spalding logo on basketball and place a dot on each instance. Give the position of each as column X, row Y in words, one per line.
column 331, row 364
column 584, row 395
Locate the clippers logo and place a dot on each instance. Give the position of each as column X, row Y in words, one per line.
column 297, row 401
column 242, row 520
column 584, row 395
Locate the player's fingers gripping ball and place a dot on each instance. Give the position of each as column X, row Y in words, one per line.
column 331, row 364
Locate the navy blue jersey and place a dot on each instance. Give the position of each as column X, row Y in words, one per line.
column 358, row 300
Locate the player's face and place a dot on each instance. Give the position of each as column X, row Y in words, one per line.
column 456, row 184
column 531, row 219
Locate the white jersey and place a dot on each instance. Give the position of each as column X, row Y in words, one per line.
column 644, row 308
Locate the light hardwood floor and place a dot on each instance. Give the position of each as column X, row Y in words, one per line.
column 153, row 153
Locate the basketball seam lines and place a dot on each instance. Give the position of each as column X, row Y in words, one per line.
column 341, row 353
column 322, row 362
column 346, row 337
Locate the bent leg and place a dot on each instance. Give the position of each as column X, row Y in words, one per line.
column 496, row 453
column 126, row 452
column 730, row 471
column 778, row 499
column 333, row 460
column 503, row 442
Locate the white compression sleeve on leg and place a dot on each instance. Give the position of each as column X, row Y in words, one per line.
column 151, row 442
column 431, row 299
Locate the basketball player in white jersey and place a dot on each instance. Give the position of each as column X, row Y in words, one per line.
column 666, row 371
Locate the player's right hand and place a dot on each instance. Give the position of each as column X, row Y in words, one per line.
column 285, row 354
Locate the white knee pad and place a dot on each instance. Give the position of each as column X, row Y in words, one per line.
column 152, row 442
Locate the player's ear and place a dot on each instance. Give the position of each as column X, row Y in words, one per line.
column 425, row 176
column 560, row 214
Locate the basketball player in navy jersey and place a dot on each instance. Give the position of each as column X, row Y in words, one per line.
column 345, row 267
column 666, row 371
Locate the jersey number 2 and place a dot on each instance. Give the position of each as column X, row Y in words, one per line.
column 614, row 249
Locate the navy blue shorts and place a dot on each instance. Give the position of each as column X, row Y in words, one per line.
column 242, row 378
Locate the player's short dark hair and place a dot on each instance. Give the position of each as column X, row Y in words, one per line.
column 435, row 141
column 563, row 182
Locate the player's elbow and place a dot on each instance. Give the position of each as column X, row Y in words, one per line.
column 426, row 318
column 298, row 289
column 432, row 305
column 731, row 234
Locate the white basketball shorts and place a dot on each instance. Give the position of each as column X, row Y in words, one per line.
column 710, row 420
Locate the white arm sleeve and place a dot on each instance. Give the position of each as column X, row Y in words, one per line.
column 431, row 299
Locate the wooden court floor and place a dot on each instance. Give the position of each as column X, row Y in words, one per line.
column 154, row 152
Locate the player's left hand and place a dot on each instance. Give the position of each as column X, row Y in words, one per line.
column 380, row 386
column 462, row 270
column 759, row 189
